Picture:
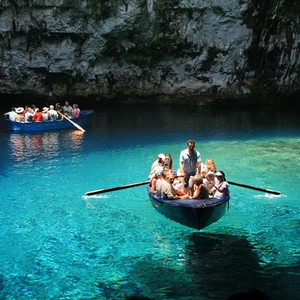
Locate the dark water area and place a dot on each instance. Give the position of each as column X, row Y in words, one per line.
column 57, row 243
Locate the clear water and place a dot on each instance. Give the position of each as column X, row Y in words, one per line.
column 58, row 244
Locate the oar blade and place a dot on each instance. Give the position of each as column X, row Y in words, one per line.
column 75, row 124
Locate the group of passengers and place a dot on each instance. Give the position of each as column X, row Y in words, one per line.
column 32, row 113
column 193, row 180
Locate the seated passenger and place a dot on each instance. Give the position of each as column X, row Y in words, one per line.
column 58, row 108
column 168, row 191
column 178, row 182
column 160, row 181
column 76, row 111
column 221, row 187
column 157, row 163
column 29, row 114
column 67, row 109
column 20, row 116
column 209, row 165
column 168, row 162
column 38, row 116
column 200, row 190
column 53, row 115
column 45, row 114
column 153, row 182
column 11, row 114
column 209, row 181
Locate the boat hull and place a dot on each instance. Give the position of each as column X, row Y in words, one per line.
column 84, row 119
column 193, row 213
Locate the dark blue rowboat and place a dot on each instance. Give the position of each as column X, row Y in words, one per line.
column 193, row 213
column 84, row 119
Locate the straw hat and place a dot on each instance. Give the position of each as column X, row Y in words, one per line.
column 45, row 109
column 19, row 110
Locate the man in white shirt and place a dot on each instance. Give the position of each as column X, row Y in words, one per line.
column 11, row 114
column 190, row 164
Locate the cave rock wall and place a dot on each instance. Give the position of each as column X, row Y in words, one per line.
column 173, row 51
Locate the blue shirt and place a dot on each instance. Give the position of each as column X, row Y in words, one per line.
column 189, row 162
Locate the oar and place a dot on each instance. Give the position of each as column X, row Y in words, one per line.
column 76, row 125
column 254, row 188
column 122, row 187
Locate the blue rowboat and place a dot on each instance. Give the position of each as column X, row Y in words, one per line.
column 84, row 119
column 192, row 213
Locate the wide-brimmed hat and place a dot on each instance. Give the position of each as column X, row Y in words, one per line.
column 19, row 110
column 45, row 109
column 210, row 173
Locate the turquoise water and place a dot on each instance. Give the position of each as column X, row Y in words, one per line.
column 58, row 244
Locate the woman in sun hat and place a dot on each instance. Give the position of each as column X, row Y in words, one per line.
column 209, row 181
column 45, row 113
column 220, row 188
column 20, row 117
column 157, row 164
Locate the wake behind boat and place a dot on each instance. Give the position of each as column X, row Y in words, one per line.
column 194, row 213
column 14, row 126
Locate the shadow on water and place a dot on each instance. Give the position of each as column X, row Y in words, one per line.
column 212, row 266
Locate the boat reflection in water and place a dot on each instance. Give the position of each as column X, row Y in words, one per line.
column 44, row 145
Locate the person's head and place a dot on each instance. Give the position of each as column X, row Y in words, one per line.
column 50, row 94
column 190, row 145
column 168, row 156
column 161, row 157
column 220, row 176
column 66, row 103
column 210, row 175
column 198, row 179
column 170, row 178
column 211, row 165
column 224, row 177
column 164, row 174
column 13, row 108
column 29, row 109
column 51, row 107
column 158, row 174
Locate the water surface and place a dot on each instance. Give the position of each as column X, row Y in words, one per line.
column 58, row 244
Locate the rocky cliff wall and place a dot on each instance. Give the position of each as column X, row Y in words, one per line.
column 173, row 51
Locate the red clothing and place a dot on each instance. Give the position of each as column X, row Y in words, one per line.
column 38, row 117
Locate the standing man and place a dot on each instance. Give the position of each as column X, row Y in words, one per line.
column 189, row 164
column 51, row 99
